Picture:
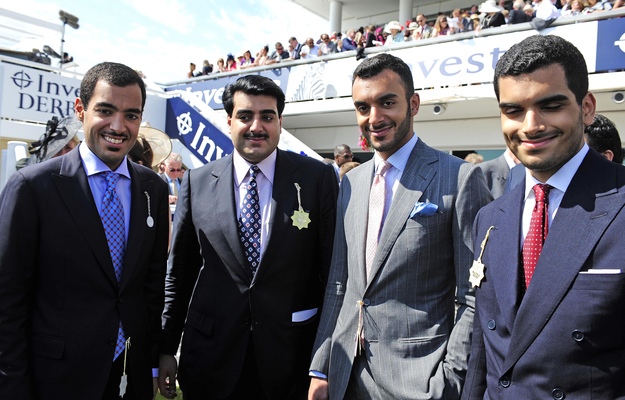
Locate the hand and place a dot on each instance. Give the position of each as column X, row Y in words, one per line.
column 167, row 376
column 173, row 199
column 318, row 389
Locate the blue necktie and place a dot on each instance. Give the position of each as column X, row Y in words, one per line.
column 112, row 215
column 250, row 222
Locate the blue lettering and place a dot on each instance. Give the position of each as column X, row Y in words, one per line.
column 208, row 95
column 31, row 101
column 218, row 95
column 450, row 62
column 42, row 103
column 477, row 63
column 52, row 85
column 496, row 53
column 426, row 71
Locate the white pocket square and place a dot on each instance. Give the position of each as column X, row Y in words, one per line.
column 423, row 209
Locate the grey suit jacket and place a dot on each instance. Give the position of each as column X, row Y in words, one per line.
column 415, row 346
column 496, row 173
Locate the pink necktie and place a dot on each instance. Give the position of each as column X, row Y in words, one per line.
column 376, row 212
column 539, row 227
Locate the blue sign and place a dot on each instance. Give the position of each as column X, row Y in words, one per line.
column 202, row 138
column 611, row 44
column 210, row 91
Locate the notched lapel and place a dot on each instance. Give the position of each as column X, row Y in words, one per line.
column 421, row 168
column 74, row 189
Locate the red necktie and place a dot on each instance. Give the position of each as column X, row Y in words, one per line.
column 539, row 227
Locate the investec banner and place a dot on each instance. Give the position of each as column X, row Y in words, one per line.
column 442, row 64
column 29, row 94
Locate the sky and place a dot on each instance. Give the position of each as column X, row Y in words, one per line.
column 161, row 37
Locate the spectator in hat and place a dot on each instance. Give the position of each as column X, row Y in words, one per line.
column 231, row 64
column 493, row 17
column 60, row 138
column 393, row 28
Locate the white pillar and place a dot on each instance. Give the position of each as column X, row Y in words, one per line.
column 405, row 11
column 336, row 16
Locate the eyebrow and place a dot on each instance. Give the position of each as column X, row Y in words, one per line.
column 114, row 107
column 247, row 111
column 545, row 100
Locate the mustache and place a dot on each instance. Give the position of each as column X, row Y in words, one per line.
column 250, row 135
column 380, row 127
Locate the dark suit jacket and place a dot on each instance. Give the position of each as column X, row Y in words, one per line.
column 211, row 293
column 61, row 304
column 565, row 338
column 496, row 173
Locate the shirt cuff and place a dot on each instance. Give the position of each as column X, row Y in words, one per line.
column 318, row 374
column 154, row 372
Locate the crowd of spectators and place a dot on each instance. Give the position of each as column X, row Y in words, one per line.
column 489, row 14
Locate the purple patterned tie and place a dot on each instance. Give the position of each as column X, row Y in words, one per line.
column 250, row 222
column 112, row 215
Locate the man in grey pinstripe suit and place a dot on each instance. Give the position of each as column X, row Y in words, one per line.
column 401, row 330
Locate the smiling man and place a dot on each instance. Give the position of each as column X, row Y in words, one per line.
column 249, row 262
column 551, row 296
column 83, row 258
column 398, row 309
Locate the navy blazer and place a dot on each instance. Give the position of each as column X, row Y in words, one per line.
column 565, row 337
column 61, row 303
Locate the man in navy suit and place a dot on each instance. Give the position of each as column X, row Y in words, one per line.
column 65, row 306
column 559, row 331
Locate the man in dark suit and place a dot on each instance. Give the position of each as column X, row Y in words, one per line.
column 172, row 175
column 78, row 312
column 246, row 282
column 549, row 315
column 397, row 321
column 496, row 172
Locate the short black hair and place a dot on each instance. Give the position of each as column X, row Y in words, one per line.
column 538, row 51
column 602, row 135
column 254, row 85
column 112, row 73
column 374, row 66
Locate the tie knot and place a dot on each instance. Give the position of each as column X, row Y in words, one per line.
column 254, row 170
column 541, row 191
column 383, row 167
column 111, row 180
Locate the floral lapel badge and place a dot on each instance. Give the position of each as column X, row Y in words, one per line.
column 300, row 218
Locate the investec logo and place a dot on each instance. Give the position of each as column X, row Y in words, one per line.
column 204, row 145
column 39, row 94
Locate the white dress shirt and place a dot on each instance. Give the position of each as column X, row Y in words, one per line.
column 264, row 184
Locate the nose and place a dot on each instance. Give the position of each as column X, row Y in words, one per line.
column 256, row 125
column 117, row 122
column 532, row 123
column 375, row 116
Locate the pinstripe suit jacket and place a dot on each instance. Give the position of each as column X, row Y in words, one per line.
column 415, row 346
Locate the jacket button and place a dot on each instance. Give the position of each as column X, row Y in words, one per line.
column 558, row 394
column 578, row 336
column 366, row 302
column 112, row 341
column 504, row 381
column 491, row 324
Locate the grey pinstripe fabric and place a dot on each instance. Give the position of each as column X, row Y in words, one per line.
column 415, row 348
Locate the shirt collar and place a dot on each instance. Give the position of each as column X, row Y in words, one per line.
column 562, row 178
column 242, row 167
column 399, row 159
column 93, row 165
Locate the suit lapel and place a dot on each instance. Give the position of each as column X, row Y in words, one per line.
column 283, row 201
column 75, row 192
column 221, row 190
column 416, row 177
column 355, row 219
column 138, row 220
column 503, row 263
column 589, row 205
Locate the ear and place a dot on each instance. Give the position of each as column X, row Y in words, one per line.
column 79, row 109
column 608, row 154
column 415, row 102
column 229, row 119
column 589, row 106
